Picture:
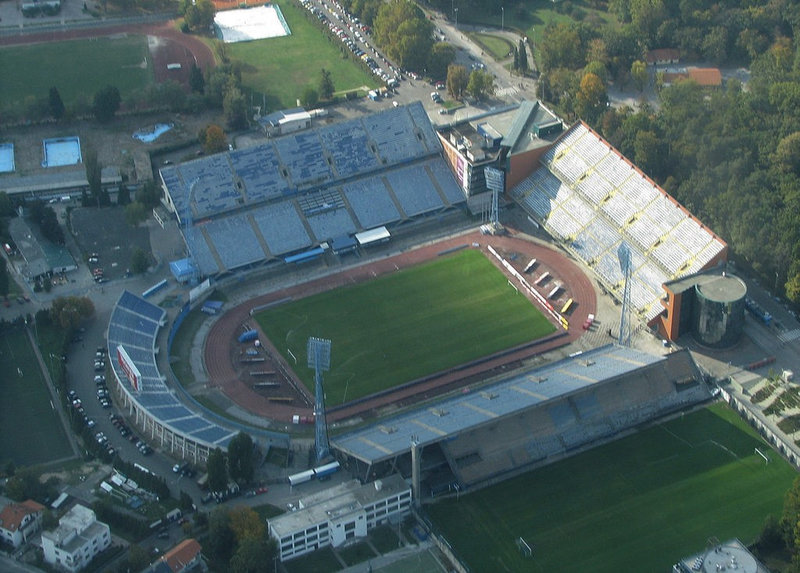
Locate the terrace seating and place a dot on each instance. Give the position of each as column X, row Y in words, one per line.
column 330, row 224
column 304, row 158
column 414, row 190
column 561, row 414
column 594, row 187
column 281, row 227
column 614, row 169
column 235, row 241
column 447, row 183
column 210, row 183
column 348, row 145
column 393, row 132
column 427, row 135
column 619, row 209
column 371, row 202
column 201, row 253
column 259, row 169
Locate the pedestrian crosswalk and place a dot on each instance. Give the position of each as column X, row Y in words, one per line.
column 505, row 92
column 789, row 335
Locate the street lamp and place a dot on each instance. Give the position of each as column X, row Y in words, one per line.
column 502, row 18
column 456, row 10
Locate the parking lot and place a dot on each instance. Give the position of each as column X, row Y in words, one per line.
column 105, row 233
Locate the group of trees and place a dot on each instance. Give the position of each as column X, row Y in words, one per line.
column 479, row 83
column 312, row 95
column 46, row 219
column 238, row 542
column 238, row 465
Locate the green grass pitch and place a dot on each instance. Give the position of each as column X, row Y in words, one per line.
column 638, row 504
column 282, row 67
column 30, row 430
column 78, row 68
column 403, row 326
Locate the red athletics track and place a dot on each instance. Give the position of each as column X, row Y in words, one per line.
column 221, row 347
column 175, row 47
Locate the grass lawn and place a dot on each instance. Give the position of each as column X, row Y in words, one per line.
column 321, row 560
column 422, row 562
column 30, row 430
column 648, row 499
column 406, row 325
column 496, row 46
column 78, row 68
column 282, row 67
column 357, row 553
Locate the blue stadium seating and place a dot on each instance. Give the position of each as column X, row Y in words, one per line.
column 235, row 241
column 393, row 132
column 281, row 227
column 348, row 145
column 331, row 224
column 447, row 183
column 303, row 156
column 414, row 190
column 371, row 202
column 259, row 169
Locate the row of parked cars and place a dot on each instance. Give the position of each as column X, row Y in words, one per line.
column 119, row 423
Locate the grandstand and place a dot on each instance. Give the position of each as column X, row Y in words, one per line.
column 591, row 198
column 528, row 418
column 134, row 325
column 247, row 207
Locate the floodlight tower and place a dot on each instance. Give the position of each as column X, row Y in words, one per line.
column 625, row 326
column 495, row 182
column 189, row 231
column 319, row 358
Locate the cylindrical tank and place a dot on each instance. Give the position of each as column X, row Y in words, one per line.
column 718, row 314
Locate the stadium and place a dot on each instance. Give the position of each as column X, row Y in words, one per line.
column 352, row 203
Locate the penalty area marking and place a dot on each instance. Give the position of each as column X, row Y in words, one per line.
column 760, row 453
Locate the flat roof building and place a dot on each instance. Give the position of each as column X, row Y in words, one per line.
column 338, row 514
column 78, row 538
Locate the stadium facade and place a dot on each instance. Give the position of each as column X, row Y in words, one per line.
column 531, row 418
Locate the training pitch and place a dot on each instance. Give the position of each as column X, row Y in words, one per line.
column 638, row 504
column 407, row 325
column 30, row 431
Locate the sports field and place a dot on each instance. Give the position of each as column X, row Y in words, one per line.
column 281, row 68
column 406, row 325
column 30, row 431
column 638, row 504
column 78, row 68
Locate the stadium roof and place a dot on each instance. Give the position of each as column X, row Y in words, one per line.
column 452, row 416
column 592, row 198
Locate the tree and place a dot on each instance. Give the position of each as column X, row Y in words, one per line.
column 639, row 74
column 221, row 539
column 217, row 474
column 234, row 108
column 246, row 524
column 214, row 139
column 45, row 217
column 326, row 87
column 123, row 195
column 6, row 205
column 481, row 84
column 310, row 97
column 197, row 82
column 404, row 33
column 148, row 194
column 442, row 55
column 199, row 15
column 3, row 277
column 106, row 103
column 93, row 173
column 240, row 458
column 253, row 556
column 522, row 55
column 70, row 311
column 56, row 105
column 457, row 80
column 560, row 47
column 135, row 213
column 139, row 261
column 591, row 98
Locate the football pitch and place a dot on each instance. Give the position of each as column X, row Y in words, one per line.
column 30, row 430
column 406, row 325
column 78, row 68
column 638, row 504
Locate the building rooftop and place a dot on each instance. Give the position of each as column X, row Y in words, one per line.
column 728, row 556
column 181, row 555
column 335, row 503
column 715, row 284
column 709, row 77
column 522, row 134
column 71, row 526
column 12, row 515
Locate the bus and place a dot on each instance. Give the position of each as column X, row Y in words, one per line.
column 567, row 307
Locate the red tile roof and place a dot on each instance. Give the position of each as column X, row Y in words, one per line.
column 706, row 76
column 12, row 515
column 182, row 554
